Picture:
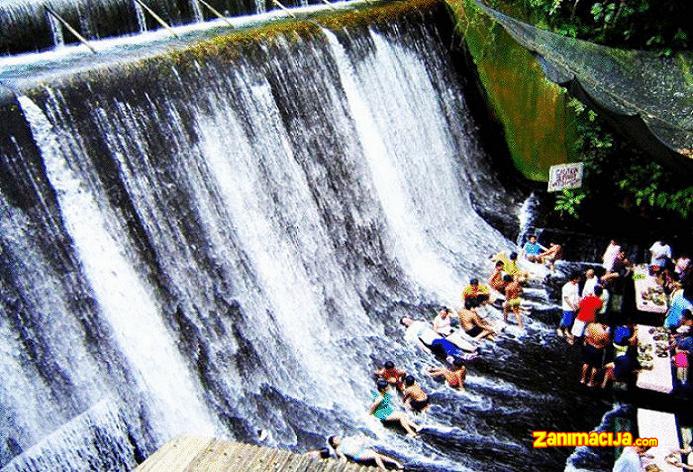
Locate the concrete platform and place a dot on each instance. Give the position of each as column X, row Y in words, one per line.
column 189, row 454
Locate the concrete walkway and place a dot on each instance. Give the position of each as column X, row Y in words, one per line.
column 188, row 454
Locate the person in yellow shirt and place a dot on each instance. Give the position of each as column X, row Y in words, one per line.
column 475, row 294
column 510, row 265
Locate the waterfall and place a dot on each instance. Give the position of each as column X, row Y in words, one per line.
column 197, row 11
column 130, row 309
column 229, row 248
column 140, row 15
column 56, row 31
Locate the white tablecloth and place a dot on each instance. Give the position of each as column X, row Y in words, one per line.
column 660, row 425
column 644, row 281
column 660, row 378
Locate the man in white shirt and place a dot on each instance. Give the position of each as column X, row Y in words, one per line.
column 590, row 281
column 661, row 253
column 570, row 298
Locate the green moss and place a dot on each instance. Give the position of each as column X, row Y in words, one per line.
column 538, row 125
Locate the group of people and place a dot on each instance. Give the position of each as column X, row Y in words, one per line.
column 453, row 345
column 595, row 317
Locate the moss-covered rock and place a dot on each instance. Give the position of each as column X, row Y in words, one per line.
column 537, row 123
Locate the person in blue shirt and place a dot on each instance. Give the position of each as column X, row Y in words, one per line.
column 532, row 249
column 679, row 304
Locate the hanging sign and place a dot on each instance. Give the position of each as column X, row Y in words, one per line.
column 565, row 176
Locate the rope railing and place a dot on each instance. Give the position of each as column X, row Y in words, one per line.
column 216, row 12
column 67, row 25
column 157, row 17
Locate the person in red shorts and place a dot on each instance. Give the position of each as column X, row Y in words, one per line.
column 587, row 311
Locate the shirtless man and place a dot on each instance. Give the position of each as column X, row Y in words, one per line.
column 454, row 377
column 496, row 280
column 473, row 325
column 512, row 300
column 597, row 337
column 414, row 396
column 551, row 255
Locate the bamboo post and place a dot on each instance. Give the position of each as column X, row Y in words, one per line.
column 326, row 2
column 216, row 12
column 64, row 22
column 157, row 18
column 276, row 2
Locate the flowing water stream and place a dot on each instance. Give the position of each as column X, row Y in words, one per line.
column 227, row 246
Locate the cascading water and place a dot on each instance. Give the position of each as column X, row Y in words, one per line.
column 197, row 10
column 228, row 248
column 25, row 28
column 56, row 31
column 141, row 17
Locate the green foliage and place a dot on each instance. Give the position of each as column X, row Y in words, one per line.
column 660, row 25
column 568, row 202
column 617, row 172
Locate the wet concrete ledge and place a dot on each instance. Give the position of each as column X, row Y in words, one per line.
column 188, row 453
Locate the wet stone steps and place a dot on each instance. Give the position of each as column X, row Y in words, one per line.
column 190, row 454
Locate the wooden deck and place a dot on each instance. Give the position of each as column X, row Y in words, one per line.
column 189, row 454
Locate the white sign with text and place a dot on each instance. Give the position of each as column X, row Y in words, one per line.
column 565, row 176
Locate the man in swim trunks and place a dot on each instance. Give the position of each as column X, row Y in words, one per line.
column 454, row 377
column 421, row 334
column 414, row 396
column 496, row 280
column 512, row 300
column 473, row 325
column 597, row 337
column 551, row 255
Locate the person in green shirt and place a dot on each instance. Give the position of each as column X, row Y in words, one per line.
column 382, row 409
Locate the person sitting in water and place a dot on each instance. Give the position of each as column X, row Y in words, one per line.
column 382, row 409
column 475, row 293
column 473, row 325
column 392, row 375
column 550, row 256
column 496, row 280
column 532, row 249
column 441, row 323
column 509, row 262
column 356, row 448
column 421, row 334
column 454, row 377
column 414, row 396
column 511, row 266
column 512, row 300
